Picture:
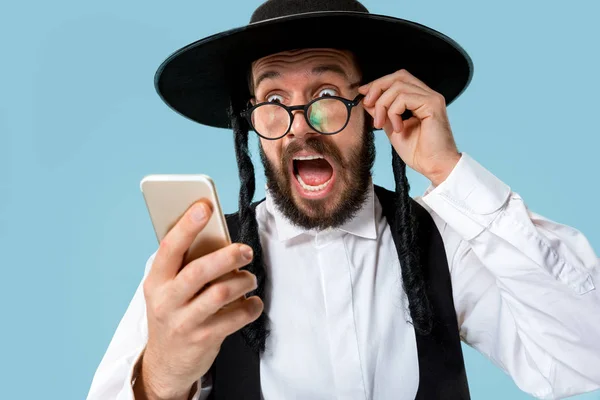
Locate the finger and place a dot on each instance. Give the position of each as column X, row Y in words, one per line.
column 231, row 319
column 372, row 95
column 421, row 106
column 364, row 89
column 403, row 102
column 394, row 117
column 407, row 77
column 177, row 241
column 395, row 111
column 388, row 97
column 381, row 108
column 236, row 302
column 380, row 112
column 220, row 294
column 377, row 87
column 203, row 270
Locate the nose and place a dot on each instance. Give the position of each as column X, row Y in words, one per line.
column 300, row 127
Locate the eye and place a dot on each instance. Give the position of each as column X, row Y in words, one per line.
column 274, row 98
column 327, row 92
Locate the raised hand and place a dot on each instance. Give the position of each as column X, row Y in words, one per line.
column 424, row 141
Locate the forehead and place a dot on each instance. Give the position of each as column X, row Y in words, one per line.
column 304, row 62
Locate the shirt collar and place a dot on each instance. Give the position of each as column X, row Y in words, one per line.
column 362, row 224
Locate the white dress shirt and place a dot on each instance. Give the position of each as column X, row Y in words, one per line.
column 523, row 289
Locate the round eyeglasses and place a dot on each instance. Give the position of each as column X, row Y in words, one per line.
column 327, row 115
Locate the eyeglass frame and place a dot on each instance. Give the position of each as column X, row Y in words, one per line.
column 350, row 104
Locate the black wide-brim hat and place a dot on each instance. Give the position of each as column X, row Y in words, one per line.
column 199, row 79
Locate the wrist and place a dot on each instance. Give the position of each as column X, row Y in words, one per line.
column 144, row 390
column 148, row 387
column 442, row 169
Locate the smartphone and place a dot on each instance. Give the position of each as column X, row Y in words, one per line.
column 168, row 197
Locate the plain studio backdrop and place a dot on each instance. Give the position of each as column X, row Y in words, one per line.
column 81, row 124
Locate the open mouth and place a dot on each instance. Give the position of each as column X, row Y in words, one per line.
column 313, row 173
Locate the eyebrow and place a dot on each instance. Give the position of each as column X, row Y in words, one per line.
column 266, row 75
column 318, row 70
column 321, row 69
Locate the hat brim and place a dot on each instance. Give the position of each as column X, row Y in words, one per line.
column 197, row 80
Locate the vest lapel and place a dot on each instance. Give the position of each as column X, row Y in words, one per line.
column 236, row 370
column 441, row 367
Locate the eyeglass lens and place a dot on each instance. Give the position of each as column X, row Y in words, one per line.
column 325, row 115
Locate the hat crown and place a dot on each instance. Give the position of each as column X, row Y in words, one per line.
column 284, row 8
column 200, row 80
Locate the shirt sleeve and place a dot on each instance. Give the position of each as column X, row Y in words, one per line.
column 523, row 285
column 117, row 371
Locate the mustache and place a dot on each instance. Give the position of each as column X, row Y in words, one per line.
column 315, row 144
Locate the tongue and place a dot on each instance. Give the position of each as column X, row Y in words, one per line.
column 314, row 172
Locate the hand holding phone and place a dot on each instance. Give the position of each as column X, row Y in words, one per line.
column 186, row 323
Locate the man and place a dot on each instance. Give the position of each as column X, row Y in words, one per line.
column 342, row 289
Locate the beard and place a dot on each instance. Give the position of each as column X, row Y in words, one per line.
column 352, row 180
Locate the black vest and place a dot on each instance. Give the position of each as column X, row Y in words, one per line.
column 236, row 370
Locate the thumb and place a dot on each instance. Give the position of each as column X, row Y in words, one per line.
column 364, row 89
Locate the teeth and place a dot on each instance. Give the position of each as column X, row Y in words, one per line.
column 312, row 188
column 308, row 158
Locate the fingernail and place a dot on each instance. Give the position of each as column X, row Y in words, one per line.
column 246, row 252
column 199, row 212
column 255, row 282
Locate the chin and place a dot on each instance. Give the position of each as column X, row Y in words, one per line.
column 317, row 207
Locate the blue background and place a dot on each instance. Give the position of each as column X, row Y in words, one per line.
column 80, row 125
